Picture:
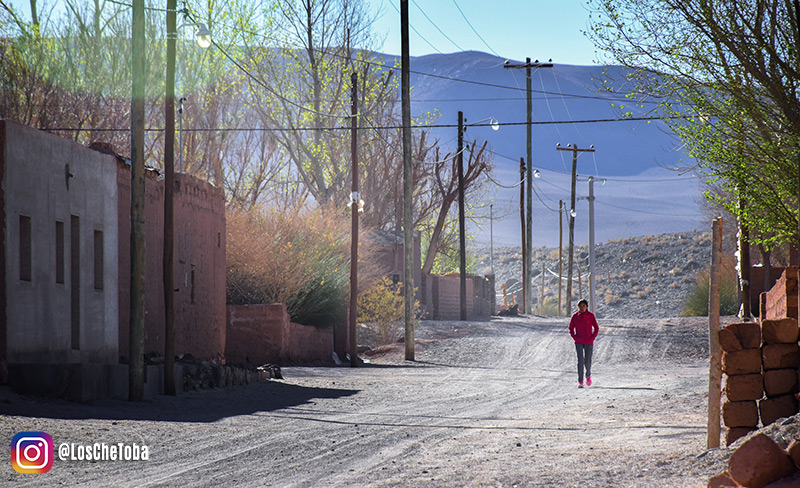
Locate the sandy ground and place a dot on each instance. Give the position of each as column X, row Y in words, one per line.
column 490, row 403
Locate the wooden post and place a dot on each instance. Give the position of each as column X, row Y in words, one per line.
column 353, row 316
column 169, row 206
column 715, row 367
column 462, row 239
column 408, row 184
column 136, row 345
column 541, row 295
column 560, row 250
column 524, row 307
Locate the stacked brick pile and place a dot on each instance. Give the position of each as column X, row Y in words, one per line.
column 744, row 384
column 781, row 359
column 761, row 367
column 761, row 463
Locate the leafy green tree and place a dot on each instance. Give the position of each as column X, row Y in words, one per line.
column 726, row 77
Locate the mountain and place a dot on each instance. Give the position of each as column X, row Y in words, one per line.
column 642, row 193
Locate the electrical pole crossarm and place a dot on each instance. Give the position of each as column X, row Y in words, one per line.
column 535, row 64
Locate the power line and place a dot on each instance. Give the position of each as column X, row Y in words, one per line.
column 299, row 129
column 436, row 26
column 415, row 30
column 473, row 29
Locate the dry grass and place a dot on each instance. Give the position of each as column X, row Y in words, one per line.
column 299, row 257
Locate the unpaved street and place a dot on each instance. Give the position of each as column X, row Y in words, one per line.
column 489, row 403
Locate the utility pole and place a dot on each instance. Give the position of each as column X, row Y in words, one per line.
column 529, row 179
column 575, row 150
column 354, row 204
column 462, row 240
column 408, row 185
column 168, row 269
column 560, row 250
column 522, row 226
column 136, row 344
column 591, row 243
column 491, row 237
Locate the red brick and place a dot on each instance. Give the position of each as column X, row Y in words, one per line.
column 780, row 356
column 782, row 331
column 779, row 382
column 746, row 361
column 794, row 452
column 776, row 408
column 740, row 414
column 722, row 480
column 744, row 387
column 758, row 462
column 735, row 433
column 728, row 340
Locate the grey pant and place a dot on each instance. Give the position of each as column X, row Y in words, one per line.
column 584, row 359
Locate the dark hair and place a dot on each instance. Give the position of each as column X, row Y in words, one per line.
column 583, row 302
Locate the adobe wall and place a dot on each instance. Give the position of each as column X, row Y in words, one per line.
column 199, row 264
column 781, row 300
column 58, row 316
column 263, row 334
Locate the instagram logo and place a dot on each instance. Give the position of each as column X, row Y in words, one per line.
column 32, row 452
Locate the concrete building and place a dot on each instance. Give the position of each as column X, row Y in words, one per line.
column 65, row 267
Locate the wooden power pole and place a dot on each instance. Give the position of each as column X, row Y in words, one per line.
column 408, row 185
column 169, row 206
column 136, row 344
column 529, row 174
column 571, row 253
column 462, row 239
column 524, row 300
column 356, row 198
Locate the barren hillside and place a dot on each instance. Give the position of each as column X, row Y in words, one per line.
column 636, row 277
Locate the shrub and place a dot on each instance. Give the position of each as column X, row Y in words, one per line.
column 381, row 310
column 298, row 257
column 697, row 302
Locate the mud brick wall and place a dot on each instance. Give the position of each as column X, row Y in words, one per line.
column 780, row 361
column 744, row 383
column 781, row 300
column 760, row 362
column 263, row 334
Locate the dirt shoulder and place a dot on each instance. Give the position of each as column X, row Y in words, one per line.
column 490, row 403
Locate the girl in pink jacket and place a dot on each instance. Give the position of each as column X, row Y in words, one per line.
column 583, row 329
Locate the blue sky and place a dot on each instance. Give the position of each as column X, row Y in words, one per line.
column 514, row 29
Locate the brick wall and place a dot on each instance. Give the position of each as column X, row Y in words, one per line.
column 263, row 334
column 199, row 264
column 760, row 362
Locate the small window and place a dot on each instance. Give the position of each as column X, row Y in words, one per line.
column 75, row 280
column 192, row 289
column 98, row 260
column 25, row 251
column 60, row 264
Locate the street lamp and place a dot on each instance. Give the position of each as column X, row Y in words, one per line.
column 203, row 37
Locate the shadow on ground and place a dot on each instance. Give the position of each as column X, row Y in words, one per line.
column 194, row 406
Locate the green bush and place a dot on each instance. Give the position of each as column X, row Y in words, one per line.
column 697, row 302
column 381, row 311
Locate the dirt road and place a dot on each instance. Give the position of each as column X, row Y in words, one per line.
column 486, row 404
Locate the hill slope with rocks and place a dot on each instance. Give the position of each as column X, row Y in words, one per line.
column 636, row 277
